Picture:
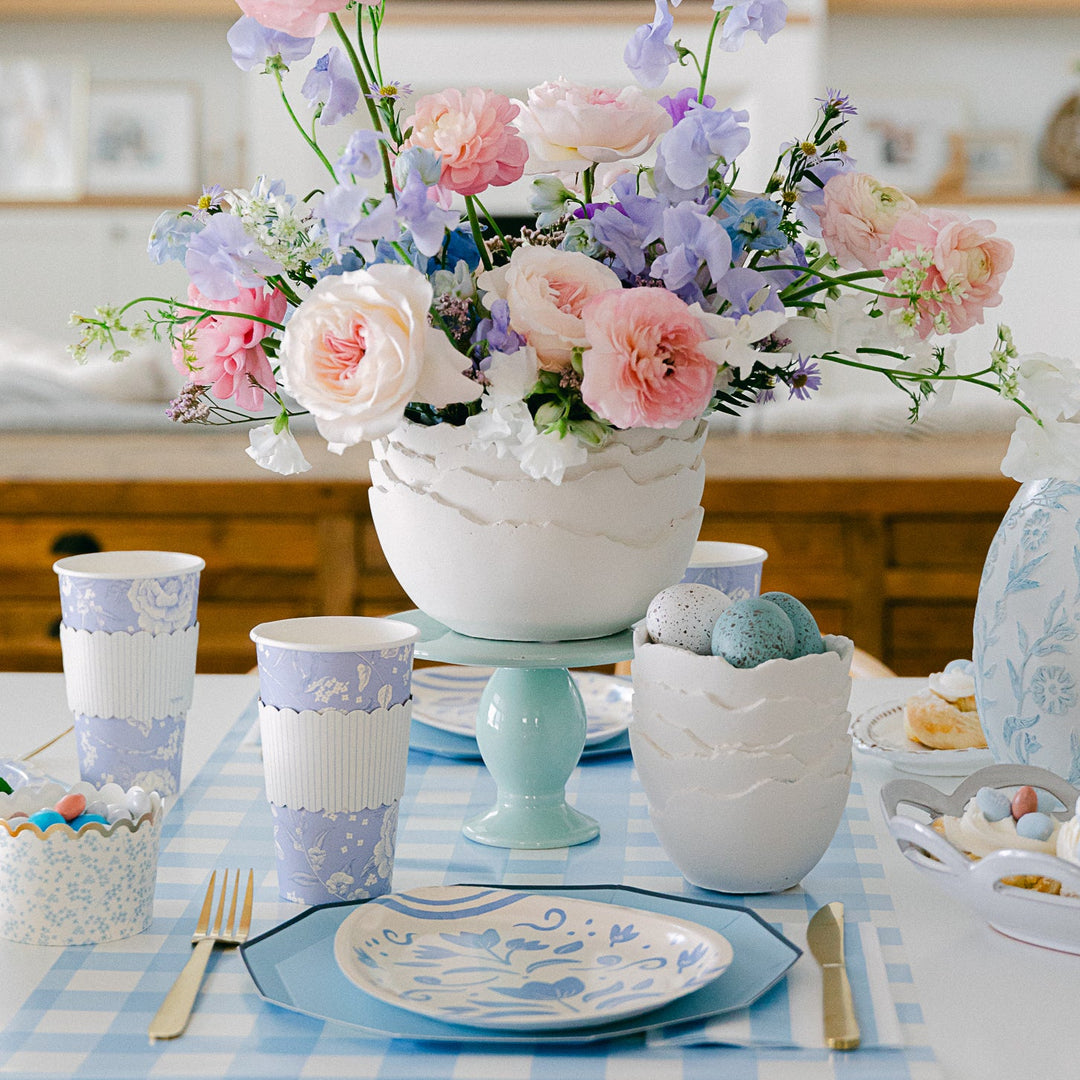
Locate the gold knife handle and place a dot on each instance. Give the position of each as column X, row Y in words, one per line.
column 841, row 1028
column 172, row 1017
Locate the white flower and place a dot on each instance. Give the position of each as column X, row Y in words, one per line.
column 731, row 339
column 1050, row 385
column 277, row 451
column 842, row 326
column 359, row 349
column 1050, row 450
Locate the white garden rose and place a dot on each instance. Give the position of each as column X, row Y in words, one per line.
column 359, row 349
column 546, row 289
column 569, row 127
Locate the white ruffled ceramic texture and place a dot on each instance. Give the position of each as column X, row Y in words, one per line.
column 335, row 761
column 143, row 675
column 493, row 553
column 66, row 888
column 746, row 770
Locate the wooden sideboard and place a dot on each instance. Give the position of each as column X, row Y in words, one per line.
column 893, row 563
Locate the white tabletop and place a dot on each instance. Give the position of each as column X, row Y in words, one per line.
column 993, row 1007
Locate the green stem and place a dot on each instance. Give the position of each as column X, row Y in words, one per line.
column 717, row 22
column 588, row 179
column 204, row 312
column 478, row 236
column 494, row 226
column 300, row 127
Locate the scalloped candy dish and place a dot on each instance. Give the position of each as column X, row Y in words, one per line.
column 62, row 887
column 1037, row 918
column 500, row 958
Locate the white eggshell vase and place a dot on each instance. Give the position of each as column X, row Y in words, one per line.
column 746, row 771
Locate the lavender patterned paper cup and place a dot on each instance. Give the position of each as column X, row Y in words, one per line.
column 734, row 569
column 130, row 752
column 129, row 591
column 343, row 662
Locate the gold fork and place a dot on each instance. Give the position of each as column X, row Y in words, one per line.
column 172, row 1017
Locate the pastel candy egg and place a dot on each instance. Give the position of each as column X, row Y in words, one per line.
column 995, row 804
column 684, row 615
column 752, row 631
column 1025, row 801
column 70, row 806
column 44, row 818
column 807, row 635
column 115, row 812
column 98, row 806
column 138, row 802
column 85, row 819
column 1035, row 826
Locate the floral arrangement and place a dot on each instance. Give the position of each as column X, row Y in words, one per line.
column 651, row 291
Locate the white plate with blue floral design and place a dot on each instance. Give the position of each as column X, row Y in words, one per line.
column 447, row 697
column 879, row 732
column 496, row 958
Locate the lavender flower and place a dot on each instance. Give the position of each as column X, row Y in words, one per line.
column 348, row 222
column 747, row 291
column 170, row 235
column 835, row 104
column 629, row 227
column 678, row 106
column 648, row 54
column 223, row 258
column 254, row 44
column 420, row 160
column 804, row 380
column 425, row 219
column 331, row 87
column 495, row 331
column 764, row 17
column 691, row 148
column 691, row 238
column 362, row 156
column 189, row 406
column 388, row 92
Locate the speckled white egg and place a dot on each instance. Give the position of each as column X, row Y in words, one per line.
column 684, row 615
column 807, row 635
column 752, row 631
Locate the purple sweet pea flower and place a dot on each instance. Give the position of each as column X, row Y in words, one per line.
column 678, row 106
column 691, row 238
column 254, row 44
column 764, row 17
column 423, row 217
column 804, row 380
column 420, row 160
column 747, row 291
column 629, row 227
column 362, row 156
column 332, row 84
column 695, row 143
column 497, row 333
column 348, row 223
column 648, row 54
column 170, row 235
column 222, row 259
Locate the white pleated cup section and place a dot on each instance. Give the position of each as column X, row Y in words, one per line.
column 144, row 675
column 334, row 761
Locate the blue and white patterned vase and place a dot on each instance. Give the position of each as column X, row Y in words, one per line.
column 1027, row 631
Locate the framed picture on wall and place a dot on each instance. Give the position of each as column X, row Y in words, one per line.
column 142, row 139
column 998, row 162
column 42, row 126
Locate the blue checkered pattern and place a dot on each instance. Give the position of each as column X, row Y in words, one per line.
column 88, row 1016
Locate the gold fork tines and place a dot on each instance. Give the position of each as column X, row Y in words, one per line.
column 172, row 1017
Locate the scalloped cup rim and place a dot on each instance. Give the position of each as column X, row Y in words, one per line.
column 44, row 796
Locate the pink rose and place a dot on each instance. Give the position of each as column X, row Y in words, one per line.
column 225, row 351
column 301, row 18
column 966, row 268
column 546, row 290
column 645, row 366
column 569, row 127
column 472, row 132
column 858, row 215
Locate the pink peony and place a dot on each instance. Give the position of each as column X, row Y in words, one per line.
column 472, row 132
column 300, row 18
column 966, row 268
column 225, row 352
column 645, row 366
column 857, row 217
column 569, row 127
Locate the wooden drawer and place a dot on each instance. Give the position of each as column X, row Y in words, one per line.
column 949, row 540
column 924, row 637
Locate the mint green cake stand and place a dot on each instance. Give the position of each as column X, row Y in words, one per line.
column 530, row 727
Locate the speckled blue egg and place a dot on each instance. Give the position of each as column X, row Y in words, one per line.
column 752, row 631
column 684, row 615
column 1035, row 826
column 994, row 803
column 807, row 635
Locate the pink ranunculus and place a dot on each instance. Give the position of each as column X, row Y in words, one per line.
column 857, row 217
column 569, row 127
column 473, row 133
column 301, row 18
column 546, row 290
column 645, row 365
column 967, row 267
column 225, row 352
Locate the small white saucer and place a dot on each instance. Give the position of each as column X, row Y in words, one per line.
column 879, row 732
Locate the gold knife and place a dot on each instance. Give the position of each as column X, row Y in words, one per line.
column 825, row 936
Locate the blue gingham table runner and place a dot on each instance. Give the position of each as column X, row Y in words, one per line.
column 88, row 1016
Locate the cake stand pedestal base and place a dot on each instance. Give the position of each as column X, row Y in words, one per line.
column 530, row 728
